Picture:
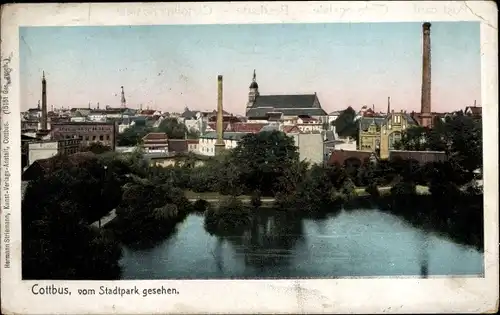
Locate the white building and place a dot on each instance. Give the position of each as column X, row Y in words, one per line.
column 310, row 146
column 309, row 124
column 193, row 145
column 97, row 116
column 46, row 149
column 207, row 141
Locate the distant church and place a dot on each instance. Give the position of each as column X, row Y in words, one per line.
column 263, row 107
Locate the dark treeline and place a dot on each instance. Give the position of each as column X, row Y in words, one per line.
column 149, row 201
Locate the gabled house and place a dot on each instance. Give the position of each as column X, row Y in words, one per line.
column 155, row 142
column 474, row 111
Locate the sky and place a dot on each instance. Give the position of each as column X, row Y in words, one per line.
column 170, row 67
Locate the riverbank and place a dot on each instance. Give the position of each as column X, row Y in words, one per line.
column 215, row 196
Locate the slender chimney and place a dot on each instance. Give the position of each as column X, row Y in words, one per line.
column 123, row 100
column 219, row 144
column 44, row 103
column 388, row 105
column 425, row 110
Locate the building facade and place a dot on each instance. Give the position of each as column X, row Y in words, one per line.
column 46, row 149
column 155, row 142
column 87, row 132
column 207, row 141
column 380, row 134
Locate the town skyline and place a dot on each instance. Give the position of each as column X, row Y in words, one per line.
column 90, row 64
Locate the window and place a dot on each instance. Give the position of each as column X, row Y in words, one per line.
column 107, row 137
column 93, row 138
column 101, row 138
column 394, row 138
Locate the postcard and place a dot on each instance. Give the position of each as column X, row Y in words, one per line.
column 249, row 157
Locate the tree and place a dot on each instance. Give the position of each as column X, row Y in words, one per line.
column 345, row 125
column 173, row 128
column 96, row 148
column 132, row 136
column 262, row 159
column 58, row 242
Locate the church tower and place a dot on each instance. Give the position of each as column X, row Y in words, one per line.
column 254, row 91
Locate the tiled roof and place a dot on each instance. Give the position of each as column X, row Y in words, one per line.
column 245, row 127
column 193, row 141
column 213, row 125
column 155, row 136
column 264, row 112
column 177, row 145
column 291, row 129
column 285, row 101
column 226, row 135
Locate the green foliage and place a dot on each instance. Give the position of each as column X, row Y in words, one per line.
column 321, row 190
column 132, row 136
column 96, row 148
column 201, row 205
column 345, row 126
column 230, row 218
column 58, row 242
column 260, row 159
column 173, row 128
column 459, row 136
column 149, row 213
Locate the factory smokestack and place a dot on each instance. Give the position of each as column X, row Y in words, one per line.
column 425, row 109
column 219, row 144
column 44, row 103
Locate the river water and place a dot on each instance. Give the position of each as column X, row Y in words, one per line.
column 358, row 243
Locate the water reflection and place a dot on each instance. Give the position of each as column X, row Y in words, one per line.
column 352, row 244
column 269, row 240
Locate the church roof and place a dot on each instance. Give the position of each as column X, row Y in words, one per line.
column 289, row 105
column 254, row 85
column 263, row 112
column 285, row 101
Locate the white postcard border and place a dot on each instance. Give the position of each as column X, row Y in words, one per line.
column 389, row 295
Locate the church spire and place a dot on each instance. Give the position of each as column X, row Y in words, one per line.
column 254, row 84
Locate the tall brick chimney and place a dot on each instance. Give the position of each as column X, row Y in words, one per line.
column 219, row 143
column 425, row 109
column 43, row 120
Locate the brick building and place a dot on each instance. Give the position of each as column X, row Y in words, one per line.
column 87, row 132
column 155, row 142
